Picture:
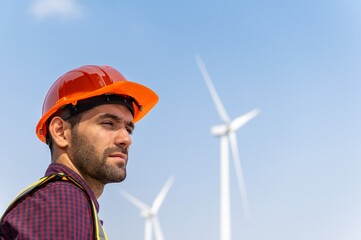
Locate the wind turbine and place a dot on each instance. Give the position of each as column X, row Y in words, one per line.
column 150, row 213
column 227, row 134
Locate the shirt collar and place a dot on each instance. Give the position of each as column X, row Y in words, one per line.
column 61, row 168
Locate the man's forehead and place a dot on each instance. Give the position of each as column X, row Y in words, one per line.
column 117, row 110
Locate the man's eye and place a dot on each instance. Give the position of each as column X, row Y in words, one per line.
column 130, row 130
column 108, row 123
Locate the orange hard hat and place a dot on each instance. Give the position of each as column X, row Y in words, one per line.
column 89, row 81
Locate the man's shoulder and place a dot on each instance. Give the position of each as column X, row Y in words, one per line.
column 58, row 195
column 61, row 190
column 54, row 207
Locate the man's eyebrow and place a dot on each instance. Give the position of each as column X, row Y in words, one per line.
column 117, row 119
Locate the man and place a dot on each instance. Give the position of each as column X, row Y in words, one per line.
column 88, row 117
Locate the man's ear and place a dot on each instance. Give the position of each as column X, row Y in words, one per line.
column 58, row 129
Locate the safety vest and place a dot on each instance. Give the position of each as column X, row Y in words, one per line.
column 99, row 232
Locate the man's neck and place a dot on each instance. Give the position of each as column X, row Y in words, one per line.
column 94, row 184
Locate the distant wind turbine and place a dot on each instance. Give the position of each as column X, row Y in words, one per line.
column 227, row 134
column 150, row 213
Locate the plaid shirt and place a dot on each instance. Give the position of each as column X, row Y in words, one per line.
column 60, row 210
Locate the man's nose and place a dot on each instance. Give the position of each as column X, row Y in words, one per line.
column 123, row 137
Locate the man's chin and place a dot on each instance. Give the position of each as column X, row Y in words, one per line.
column 117, row 179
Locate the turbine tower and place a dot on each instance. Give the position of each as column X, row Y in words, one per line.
column 150, row 213
column 227, row 134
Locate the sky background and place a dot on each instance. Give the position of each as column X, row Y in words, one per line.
column 298, row 61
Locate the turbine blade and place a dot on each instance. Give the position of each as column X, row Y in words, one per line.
column 242, row 120
column 136, row 202
column 148, row 229
column 217, row 101
column 157, row 229
column 239, row 174
column 160, row 198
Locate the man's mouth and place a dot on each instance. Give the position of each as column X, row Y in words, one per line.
column 119, row 155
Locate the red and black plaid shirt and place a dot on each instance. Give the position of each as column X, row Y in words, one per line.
column 60, row 210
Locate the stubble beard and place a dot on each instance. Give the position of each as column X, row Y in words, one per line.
column 92, row 164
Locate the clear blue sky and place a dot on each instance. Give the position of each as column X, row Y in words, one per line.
column 297, row 61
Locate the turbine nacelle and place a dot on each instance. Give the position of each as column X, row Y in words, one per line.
column 226, row 128
column 148, row 214
column 220, row 130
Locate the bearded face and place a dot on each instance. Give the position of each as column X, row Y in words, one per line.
column 95, row 164
column 99, row 143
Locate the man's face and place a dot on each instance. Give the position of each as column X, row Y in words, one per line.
column 99, row 144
